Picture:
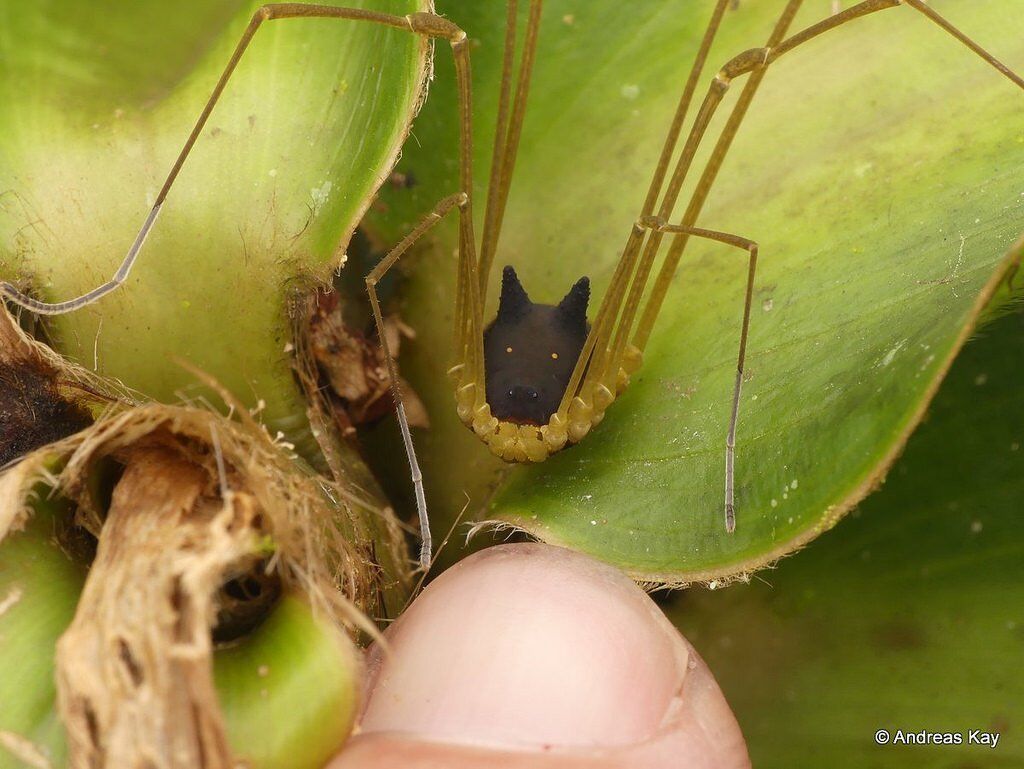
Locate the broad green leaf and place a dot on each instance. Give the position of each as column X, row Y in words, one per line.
column 879, row 169
column 39, row 587
column 910, row 614
column 97, row 99
column 288, row 690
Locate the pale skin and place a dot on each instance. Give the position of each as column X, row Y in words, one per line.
column 533, row 657
column 626, row 316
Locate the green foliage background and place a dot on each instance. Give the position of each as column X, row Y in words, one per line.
column 881, row 214
column 910, row 613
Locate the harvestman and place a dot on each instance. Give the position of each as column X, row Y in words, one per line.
column 540, row 377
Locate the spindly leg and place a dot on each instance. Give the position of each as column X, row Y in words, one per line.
column 469, row 325
column 755, row 63
column 425, row 24
column 641, row 262
column 461, row 200
column 596, row 349
column 606, row 349
column 507, row 131
column 597, row 387
column 659, row 225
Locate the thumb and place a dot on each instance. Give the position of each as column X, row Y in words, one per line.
column 533, row 657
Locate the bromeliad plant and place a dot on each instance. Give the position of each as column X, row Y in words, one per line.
column 883, row 231
column 265, row 525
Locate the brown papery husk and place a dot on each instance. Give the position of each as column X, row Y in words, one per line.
column 201, row 498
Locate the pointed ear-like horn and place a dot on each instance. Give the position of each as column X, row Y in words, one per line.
column 573, row 307
column 514, row 300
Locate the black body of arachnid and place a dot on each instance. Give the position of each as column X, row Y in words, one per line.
column 530, row 351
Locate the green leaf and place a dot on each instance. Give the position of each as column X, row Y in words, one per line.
column 96, row 100
column 289, row 690
column 878, row 169
column 910, row 614
column 40, row 586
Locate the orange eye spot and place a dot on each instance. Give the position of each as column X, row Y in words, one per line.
column 508, row 349
column 554, row 356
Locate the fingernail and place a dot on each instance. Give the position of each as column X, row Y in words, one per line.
column 527, row 646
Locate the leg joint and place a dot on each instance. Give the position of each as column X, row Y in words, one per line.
column 741, row 64
column 652, row 222
column 436, row 26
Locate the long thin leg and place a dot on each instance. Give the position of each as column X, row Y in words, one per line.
column 459, row 200
column 595, row 348
column 755, row 62
column 754, row 59
column 509, row 129
column 619, row 309
column 418, row 23
column 488, row 241
column 659, row 225
column 469, row 326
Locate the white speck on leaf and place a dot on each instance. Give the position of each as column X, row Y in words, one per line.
column 320, row 195
column 630, row 91
column 892, row 353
